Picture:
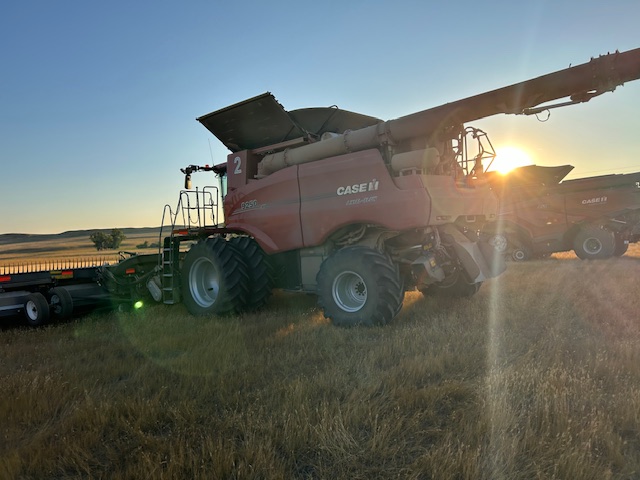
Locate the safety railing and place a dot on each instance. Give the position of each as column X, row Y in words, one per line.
column 196, row 209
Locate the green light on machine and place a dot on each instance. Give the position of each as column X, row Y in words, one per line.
column 138, row 305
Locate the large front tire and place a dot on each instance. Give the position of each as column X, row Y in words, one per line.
column 214, row 278
column 500, row 242
column 259, row 269
column 593, row 242
column 359, row 286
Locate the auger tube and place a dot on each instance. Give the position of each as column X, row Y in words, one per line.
column 579, row 83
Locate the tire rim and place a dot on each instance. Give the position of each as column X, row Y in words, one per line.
column 56, row 304
column 349, row 291
column 32, row 310
column 499, row 243
column 204, row 282
column 592, row 246
column 519, row 255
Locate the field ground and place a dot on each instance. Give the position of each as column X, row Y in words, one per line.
column 45, row 250
column 535, row 377
column 16, row 247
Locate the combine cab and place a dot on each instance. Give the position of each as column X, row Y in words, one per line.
column 597, row 217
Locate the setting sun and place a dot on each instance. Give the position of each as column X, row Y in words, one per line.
column 508, row 158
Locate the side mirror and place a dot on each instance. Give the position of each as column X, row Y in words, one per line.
column 187, row 181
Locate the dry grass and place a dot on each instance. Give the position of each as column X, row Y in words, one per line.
column 76, row 244
column 45, row 252
column 536, row 377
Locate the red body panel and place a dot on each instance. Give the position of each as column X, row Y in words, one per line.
column 332, row 198
column 268, row 210
column 300, row 206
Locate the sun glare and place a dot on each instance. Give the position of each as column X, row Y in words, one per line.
column 508, row 158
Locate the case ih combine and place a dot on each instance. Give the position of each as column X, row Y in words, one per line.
column 342, row 205
column 597, row 217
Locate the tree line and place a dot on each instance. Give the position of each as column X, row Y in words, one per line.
column 104, row 241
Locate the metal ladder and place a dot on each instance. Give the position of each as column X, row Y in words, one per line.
column 170, row 294
column 166, row 262
column 196, row 212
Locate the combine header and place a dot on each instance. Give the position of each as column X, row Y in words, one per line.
column 345, row 206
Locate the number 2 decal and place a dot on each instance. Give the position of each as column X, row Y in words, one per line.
column 238, row 162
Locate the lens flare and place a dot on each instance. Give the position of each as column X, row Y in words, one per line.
column 508, row 158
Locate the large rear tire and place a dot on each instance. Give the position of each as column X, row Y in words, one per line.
column 593, row 242
column 521, row 253
column 36, row 310
column 522, row 250
column 214, row 278
column 359, row 286
column 260, row 272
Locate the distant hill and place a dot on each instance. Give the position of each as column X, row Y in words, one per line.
column 13, row 238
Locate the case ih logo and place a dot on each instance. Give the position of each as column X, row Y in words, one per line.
column 591, row 201
column 358, row 188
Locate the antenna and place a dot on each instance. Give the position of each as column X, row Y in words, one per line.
column 210, row 151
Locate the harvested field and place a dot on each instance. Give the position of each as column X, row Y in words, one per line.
column 536, row 376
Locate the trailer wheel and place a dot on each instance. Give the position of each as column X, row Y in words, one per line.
column 214, row 278
column 593, row 242
column 260, row 272
column 36, row 309
column 359, row 286
column 621, row 246
column 455, row 286
column 60, row 303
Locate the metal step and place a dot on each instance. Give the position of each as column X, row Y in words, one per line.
column 168, row 288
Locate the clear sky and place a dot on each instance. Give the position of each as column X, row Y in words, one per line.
column 98, row 100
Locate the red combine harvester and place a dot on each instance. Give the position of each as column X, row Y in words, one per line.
column 345, row 206
column 597, row 217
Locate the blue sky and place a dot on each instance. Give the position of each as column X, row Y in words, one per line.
column 98, row 100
